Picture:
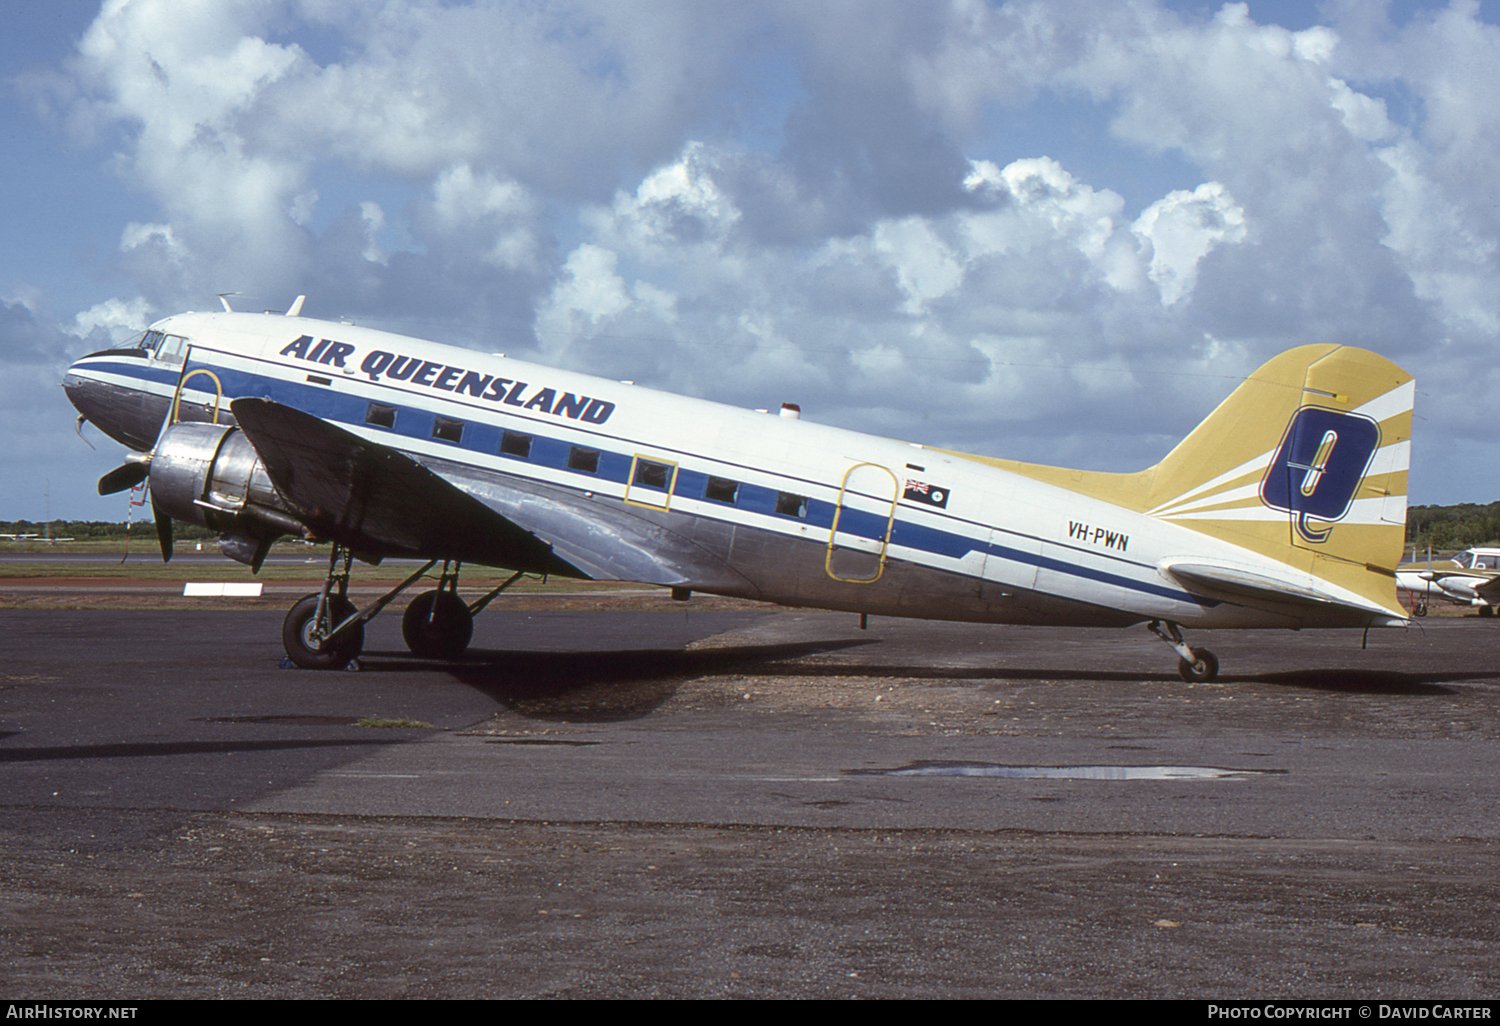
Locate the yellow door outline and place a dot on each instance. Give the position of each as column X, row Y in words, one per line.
column 885, row 540
column 182, row 381
column 655, row 499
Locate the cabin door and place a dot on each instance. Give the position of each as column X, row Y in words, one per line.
column 862, row 524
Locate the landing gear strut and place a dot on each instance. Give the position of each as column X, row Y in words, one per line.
column 325, row 631
column 1196, row 665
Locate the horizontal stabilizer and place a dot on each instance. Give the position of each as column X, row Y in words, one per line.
column 1239, row 584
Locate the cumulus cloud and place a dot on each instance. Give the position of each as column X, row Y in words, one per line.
column 867, row 207
column 1184, row 227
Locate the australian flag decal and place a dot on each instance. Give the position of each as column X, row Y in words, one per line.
column 928, row 495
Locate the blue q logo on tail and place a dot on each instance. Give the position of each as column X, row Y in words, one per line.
column 1318, row 467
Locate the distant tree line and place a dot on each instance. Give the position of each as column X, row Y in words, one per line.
column 1453, row 527
column 100, row 530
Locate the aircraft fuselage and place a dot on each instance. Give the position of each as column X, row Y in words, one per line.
column 691, row 494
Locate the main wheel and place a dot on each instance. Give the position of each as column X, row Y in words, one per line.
column 1203, row 668
column 437, row 625
column 320, row 654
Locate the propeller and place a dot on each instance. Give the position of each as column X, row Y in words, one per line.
column 130, row 474
column 122, row 477
column 137, row 468
column 163, row 532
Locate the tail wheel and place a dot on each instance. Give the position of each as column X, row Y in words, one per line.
column 1203, row 668
column 304, row 646
column 437, row 625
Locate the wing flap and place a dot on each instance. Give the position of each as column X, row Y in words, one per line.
column 612, row 541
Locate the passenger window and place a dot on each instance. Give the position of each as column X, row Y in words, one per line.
column 381, row 415
column 446, row 429
column 651, row 475
column 721, row 489
column 586, row 460
column 513, row 443
column 791, row 505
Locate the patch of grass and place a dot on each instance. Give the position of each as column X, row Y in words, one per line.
column 389, row 723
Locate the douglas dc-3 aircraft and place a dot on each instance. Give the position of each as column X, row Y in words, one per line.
column 1285, row 508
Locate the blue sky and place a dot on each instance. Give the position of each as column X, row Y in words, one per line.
column 1053, row 231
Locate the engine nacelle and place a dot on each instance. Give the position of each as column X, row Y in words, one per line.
column 210, row 475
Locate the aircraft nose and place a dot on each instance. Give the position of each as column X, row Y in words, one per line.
column 76, row 386
column 123, row 413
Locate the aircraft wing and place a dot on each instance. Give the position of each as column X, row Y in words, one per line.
column 1460, row 584
column 376, row 500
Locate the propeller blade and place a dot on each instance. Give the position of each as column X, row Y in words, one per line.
column 163, row 533
column 122, row 477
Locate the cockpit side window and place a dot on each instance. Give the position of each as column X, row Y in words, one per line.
column 173, row 349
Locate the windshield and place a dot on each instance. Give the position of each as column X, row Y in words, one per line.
column 170, row 348
column 1471, row 560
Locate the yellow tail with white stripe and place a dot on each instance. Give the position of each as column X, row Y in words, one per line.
column 1305, row 462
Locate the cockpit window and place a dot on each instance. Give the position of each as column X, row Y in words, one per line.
column 161, row 346
column 171, row 348
column 1471, row 560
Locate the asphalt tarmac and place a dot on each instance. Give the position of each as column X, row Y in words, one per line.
column 714, row 802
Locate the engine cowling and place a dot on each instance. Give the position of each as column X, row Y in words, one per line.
column 210, row 475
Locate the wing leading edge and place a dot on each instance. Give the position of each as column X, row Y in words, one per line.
column 378, row 501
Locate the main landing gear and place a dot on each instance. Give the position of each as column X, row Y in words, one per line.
column 325, row 631
column 1196, row 665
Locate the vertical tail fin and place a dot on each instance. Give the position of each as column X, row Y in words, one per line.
column 1305, row 462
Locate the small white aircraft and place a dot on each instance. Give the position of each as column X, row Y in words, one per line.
column 1471, row 578
column 1285, row 508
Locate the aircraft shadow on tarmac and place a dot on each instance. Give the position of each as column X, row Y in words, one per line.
column 620, row 685
column 1365, row 682
column 596, row 686
column 1374, row 682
